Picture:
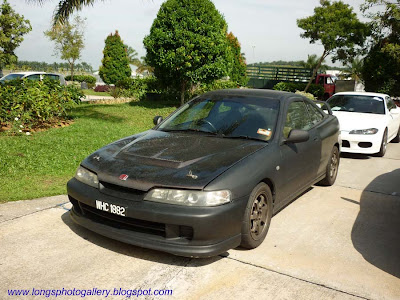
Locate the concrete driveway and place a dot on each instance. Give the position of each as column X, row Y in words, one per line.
column 340, row 242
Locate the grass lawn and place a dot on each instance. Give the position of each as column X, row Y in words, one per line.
column 41, row 164
column 93, row 93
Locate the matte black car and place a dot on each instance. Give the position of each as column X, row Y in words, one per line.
column 210, row 176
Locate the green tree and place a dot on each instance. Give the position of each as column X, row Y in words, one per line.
column 312, row 63
column 337, row 28
column 238, row 70
column 381, row 70
column 353, row 69
column 13, row 28
column 187, row 44
column 115, row 62
column 69, row 41
column 132, row 55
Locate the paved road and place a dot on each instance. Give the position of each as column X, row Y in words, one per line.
column 341, row 242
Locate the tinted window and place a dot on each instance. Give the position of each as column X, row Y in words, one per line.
column 51, row 77
column 12, row 77
column 227, row 117
column 35, row 77
column 296, row 118
column 315, row 115
column 357, row 103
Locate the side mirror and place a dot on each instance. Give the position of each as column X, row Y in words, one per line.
column 157, row 120
column 298, row 136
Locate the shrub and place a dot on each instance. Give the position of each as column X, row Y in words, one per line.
column 305, row 94
column 314, row 89
column 102, row 88
column 90, row 80
column 137, row 87
column 31, row 104
column 215, row 85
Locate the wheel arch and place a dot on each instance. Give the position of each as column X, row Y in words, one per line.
column 271, row 185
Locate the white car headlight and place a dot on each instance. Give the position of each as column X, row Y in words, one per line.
column 189, row 198
column 364, row 131
column 85, row 176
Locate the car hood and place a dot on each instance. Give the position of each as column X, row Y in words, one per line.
column 167, row 159
column 351, row 120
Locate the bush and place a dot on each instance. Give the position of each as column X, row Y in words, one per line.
column 137, row 88
column 102, row 88
column 215, row 85
column 82, row 78
column 29, row 104
column 314, row 89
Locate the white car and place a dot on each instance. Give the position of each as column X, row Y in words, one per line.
column 33, row 76
column 368, row 121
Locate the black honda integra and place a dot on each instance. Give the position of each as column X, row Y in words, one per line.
column 210, row 176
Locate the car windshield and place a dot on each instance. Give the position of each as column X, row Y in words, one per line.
column 357, row 103
column 228, row 117
column 11, row 77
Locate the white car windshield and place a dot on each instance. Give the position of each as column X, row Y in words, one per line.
column 358, row 103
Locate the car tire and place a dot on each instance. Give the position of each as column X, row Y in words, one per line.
column 332, row 168
column 384, row 143
column 257, row 217
column 397, row 137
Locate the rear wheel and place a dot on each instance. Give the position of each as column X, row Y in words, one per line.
column 382, row 151
column 257, row 216
column 332, row 168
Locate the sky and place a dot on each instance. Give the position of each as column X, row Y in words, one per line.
column 266, row 29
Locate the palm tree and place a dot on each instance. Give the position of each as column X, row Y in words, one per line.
column 353, row 69
column 312, row 63
column 65, row 8
column 132, row 56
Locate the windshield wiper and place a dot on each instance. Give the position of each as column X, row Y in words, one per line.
column 189, row 130
column 242, row 137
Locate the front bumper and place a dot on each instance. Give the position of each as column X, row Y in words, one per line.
column 359, row 143
column 180, row 230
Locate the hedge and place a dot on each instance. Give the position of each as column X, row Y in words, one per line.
column 82, row 78
column 315, row 89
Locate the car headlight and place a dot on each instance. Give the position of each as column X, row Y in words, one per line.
column 189, row 198
column 85, row 176
column 364, row 131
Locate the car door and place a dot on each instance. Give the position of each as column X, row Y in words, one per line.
column 300, row 161
column 393, row 113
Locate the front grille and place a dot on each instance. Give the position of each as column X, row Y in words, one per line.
column 345, row 144
column 119, row 222
column 121, row 191
column 136, row 225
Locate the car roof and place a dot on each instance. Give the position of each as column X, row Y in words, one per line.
column 363, row 94
column 26, row 73
column 278, row 95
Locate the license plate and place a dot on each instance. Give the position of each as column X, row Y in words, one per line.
column 111, row 208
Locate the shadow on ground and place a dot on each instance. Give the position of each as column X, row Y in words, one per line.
column 376, row 231
column 133, row 251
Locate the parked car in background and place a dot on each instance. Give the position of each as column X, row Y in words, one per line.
column 33, row 76
column 210, row 176
column 368, row 121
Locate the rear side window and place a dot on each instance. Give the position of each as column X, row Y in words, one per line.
column 51, row 77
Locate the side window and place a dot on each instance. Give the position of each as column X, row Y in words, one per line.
column 35, row 77
column 315, row 115
column 296, row 118
column 329, row 80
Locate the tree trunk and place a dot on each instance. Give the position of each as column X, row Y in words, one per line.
column 183, row 90
column 316, row 70
column 72, row 70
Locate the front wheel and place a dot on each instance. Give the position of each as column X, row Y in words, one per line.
column 397, row 137
column 257, row 216
column 332, row 168
column 382, row 151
